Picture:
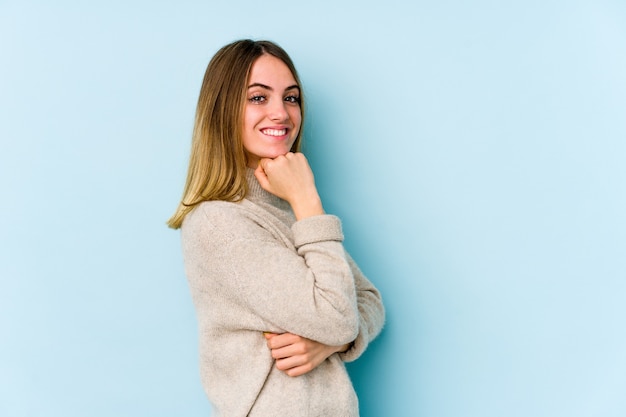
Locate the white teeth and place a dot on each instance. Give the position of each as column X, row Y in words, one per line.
column 275, row 132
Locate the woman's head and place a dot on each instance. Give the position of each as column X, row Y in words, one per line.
column 272, row 113
column 226, row 108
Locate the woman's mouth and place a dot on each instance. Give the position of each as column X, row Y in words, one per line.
column 274, row 132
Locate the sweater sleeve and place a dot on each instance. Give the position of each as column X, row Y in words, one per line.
column 309, row 291
column 371, row 314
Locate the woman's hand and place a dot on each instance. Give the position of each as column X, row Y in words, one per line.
column 296, row 355
column 290, row 177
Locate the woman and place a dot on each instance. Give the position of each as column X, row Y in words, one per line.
column 280, row 303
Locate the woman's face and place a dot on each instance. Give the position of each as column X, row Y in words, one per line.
column 272, row 111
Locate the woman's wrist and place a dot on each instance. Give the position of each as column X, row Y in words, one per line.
column 307, row 207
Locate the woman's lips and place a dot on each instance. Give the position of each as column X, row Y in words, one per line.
column 274, row 132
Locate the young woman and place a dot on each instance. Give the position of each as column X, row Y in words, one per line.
column 280, row 303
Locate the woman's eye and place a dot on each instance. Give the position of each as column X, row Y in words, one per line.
column 293, row 99
column 257, row 99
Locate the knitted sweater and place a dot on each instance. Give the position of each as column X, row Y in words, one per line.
column 253, row 268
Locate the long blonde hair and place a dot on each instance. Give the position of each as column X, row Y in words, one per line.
column 217, row 163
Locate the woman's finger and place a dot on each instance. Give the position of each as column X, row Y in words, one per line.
column 282, row 340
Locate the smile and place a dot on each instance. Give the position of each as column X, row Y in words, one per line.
column 274, row 132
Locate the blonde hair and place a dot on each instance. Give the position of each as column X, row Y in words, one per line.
column 217, row 163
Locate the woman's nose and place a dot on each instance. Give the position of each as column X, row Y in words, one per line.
column 277, row 111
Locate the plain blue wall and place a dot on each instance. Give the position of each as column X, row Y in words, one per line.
column 475, row 151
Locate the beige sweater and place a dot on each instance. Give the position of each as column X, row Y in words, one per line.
column 253, row 268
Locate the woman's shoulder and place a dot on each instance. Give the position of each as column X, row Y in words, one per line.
column 218, row 219
column 218, row 213
column 214, row 212
column 225, row 222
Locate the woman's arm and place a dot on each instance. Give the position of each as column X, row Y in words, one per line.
column 290, row 178
column 371, row 313
column 296, row 355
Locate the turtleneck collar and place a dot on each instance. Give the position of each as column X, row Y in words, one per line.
column 257, row 194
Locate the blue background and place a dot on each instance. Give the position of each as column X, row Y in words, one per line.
column 474, row 150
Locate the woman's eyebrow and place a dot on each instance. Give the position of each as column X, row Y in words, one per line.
column 267, row 87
